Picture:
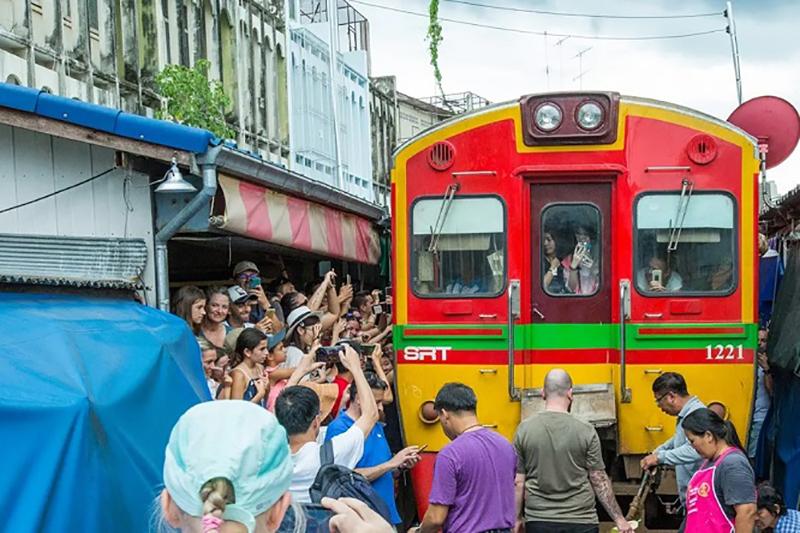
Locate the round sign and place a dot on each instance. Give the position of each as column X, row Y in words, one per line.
column 771, row 120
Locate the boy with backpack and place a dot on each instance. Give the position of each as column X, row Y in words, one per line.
column 298, row 411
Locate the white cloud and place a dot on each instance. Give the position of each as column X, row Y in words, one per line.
column 696, row 72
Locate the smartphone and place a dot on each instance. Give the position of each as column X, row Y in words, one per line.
column 422, row 448
column 657, row 275
column 254, row 283
column 377, row 309
column 328, row 354
column 366, row 349
column 271, row 314
column 348, row 280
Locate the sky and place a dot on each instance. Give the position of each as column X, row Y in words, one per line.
column 696, row 72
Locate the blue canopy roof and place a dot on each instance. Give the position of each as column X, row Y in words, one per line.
column 106, row 119
column 92, row 389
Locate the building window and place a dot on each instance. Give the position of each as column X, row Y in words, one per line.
column 165, row 15
column 92, row 14
column 228, row 48
column 454, row 253
column 685, row 243
column 183, row 29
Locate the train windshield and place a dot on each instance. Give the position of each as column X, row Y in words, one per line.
column 703, row 258
column 468, row 255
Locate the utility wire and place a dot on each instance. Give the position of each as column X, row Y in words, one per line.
column 585, row 15
column 59, row 191
column 534, row 32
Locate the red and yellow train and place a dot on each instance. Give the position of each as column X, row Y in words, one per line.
column 612, row 236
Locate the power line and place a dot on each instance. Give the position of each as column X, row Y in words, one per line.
column 585, row 15
column 534, row 32
column 59, row 191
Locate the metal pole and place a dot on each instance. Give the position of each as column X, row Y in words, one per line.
column 731, row 29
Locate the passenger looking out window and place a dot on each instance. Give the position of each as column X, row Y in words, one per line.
column 555, row 278
column 458, row 247
column 658, row 276
column 570, row 233
column 687, row 240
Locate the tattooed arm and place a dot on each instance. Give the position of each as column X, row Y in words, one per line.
column 602, row 489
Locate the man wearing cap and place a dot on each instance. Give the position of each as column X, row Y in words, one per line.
column 298, row 411
column 241, row 306
column 248, row 277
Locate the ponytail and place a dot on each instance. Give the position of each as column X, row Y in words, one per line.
column 216, row 494
column 731, row 436
column 705, row 420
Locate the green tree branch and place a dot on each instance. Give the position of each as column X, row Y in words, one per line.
column 192, row 99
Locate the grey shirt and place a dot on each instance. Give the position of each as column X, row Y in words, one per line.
column 678, row 452
column 734, row 482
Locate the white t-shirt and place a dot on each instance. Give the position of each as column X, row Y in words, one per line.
column 347, row 450
column 293, row 356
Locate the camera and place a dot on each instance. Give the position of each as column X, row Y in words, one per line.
column 328, row 354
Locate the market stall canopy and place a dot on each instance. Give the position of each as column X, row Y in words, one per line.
column 261, row 213
column 93, row 387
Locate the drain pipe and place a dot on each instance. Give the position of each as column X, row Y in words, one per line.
column 208, row 168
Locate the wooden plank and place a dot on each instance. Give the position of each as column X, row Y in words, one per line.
column 31, row 122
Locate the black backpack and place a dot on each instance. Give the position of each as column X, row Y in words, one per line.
column 335, row 481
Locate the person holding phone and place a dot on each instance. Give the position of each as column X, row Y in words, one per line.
column 248, row 277
column 658, row 277
column 377, row 463
column 582, row 266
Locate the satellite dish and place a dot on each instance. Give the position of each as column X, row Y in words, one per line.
column 773, row 121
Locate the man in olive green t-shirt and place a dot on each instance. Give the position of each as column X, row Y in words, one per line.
column 560, row 467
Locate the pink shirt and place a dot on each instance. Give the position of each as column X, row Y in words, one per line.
column 275, row 388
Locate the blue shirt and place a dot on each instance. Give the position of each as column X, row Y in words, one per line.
column 788, row 523
column 376, row 452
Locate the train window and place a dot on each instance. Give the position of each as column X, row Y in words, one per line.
column 571, row 249
column 685, row 243
column 458, row 247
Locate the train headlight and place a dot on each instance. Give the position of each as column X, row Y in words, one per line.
column 548, row 117
column 589, row 115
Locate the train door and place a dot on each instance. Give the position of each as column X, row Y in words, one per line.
column 571, row 299
column 571, row 253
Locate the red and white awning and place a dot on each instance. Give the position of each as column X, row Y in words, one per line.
column 260, row 213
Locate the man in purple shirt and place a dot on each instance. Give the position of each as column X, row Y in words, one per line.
column 473, row 480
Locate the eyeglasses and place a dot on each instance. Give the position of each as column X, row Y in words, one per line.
column 658, row 400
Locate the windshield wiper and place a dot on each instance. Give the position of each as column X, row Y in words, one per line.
column 441, row 218
column 680, row 216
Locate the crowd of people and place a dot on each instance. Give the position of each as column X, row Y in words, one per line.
column 316, row 378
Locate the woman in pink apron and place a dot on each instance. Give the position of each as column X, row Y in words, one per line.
column 721, row 496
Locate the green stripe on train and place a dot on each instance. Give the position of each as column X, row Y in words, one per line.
column 573, row 336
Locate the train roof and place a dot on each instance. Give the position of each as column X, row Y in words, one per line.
column 623, row 98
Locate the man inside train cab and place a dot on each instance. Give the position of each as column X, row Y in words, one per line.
column 672, row 397
column 657, row 276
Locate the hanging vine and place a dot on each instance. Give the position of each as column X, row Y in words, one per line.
column 434, row 37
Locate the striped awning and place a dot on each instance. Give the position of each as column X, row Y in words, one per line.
column 260, row 213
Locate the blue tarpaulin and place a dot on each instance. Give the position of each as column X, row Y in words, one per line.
column 90, row 390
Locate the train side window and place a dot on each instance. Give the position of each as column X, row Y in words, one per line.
column 571, row 249
column 458, row 247
column 685, row 245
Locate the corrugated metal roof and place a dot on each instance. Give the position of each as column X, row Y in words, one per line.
column 72, row 261
column 107, row 119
